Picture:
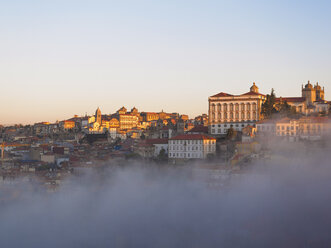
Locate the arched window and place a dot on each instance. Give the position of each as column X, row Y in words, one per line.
column 219, row 109
column 213, row 107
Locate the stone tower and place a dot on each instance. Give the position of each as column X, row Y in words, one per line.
column 98, row 116
column 319, row 92
column 309, row 93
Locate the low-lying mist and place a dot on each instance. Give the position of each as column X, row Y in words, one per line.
column 283, row 202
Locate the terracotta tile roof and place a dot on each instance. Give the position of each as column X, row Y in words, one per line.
column 251, row 93
column 291, row 99
column 199, row 129
column 221, row 94
column 192, row 137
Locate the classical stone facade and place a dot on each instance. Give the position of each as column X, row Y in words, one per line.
column 236, row 111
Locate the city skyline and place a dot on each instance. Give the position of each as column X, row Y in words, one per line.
column 114, row 109
column 68, row 58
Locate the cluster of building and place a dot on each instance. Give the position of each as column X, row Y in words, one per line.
column 161, row 136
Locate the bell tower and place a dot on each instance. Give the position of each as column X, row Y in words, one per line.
column 254, row 88
column 98, row 117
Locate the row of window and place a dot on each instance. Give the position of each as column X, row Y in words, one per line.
column 182, row 148
column 193, row 148
column 225, row 130
column 190, row 142
column 231, row 125
column 283, row 128
column 235, row 106
column 232, row 115
column 292, row 133
column 184, row 155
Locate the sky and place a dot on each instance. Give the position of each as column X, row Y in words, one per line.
column 61, row 58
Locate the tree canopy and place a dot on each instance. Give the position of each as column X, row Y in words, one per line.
column 268, row 107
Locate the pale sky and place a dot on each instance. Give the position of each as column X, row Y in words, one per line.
column 66, row 57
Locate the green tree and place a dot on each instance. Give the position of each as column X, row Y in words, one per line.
column 162, row 155
column 268, row 107
column 231, row 133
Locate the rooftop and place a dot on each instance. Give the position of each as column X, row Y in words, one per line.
column 291, row 99
column 192, row 137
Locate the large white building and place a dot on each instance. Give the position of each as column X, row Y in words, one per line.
column 236, row 111
column 191, row 146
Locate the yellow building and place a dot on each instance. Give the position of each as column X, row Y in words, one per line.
column 67, row 124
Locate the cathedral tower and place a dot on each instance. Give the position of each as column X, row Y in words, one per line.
column 98, row 117
column 309, row 93
column 319, row 92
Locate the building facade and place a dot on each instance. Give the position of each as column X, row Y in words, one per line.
column 305, row 128
column 234, row 111
column 191, row 146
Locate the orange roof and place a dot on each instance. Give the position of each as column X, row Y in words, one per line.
column 221, row 94
column 192, row 137
column 291, row 99
column 251, row 93
column 199, row 129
